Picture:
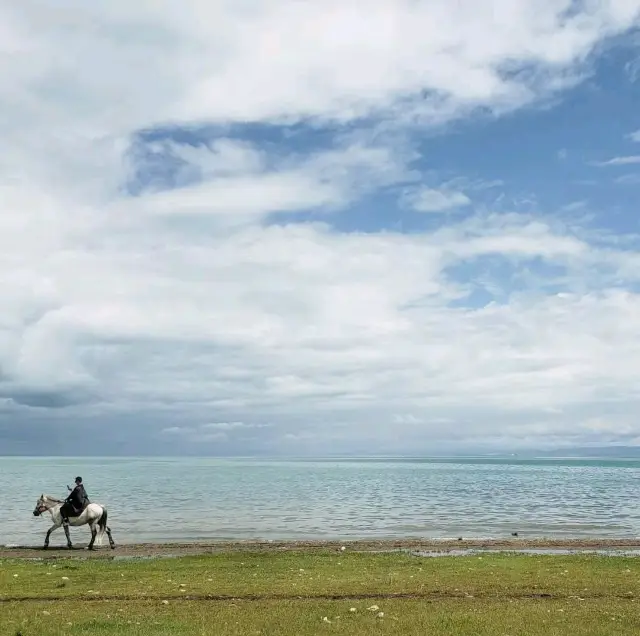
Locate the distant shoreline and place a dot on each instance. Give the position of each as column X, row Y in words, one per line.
column 426, row 545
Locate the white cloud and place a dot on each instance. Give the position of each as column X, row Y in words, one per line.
column 629, row 179
column 635, row 136
column 632, row 69
column 193, row 435
column 246, row 195
column 432, row 200
column 620, row 161
column 244, row 188
column 213, row 433
column 264, row 60
column 231, row 426
column 187, row 305
column 287, row 322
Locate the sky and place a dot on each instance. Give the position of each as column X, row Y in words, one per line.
column 294, row 227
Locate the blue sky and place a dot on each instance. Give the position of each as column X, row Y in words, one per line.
column 310, row 228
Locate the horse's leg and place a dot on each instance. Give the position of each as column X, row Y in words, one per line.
column 94, row 532
column 66, row 532
column 49, row 531
column 112, row 543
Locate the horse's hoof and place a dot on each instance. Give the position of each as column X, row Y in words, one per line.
column 45, row 547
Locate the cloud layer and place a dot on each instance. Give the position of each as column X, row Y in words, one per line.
column 174, row 274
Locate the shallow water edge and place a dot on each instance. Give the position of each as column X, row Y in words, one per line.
column 416, row 547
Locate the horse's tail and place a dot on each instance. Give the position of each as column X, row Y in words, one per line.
column 102, row 525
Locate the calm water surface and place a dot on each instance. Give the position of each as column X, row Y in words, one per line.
column 154, row 499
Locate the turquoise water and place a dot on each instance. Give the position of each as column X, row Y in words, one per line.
column 155, row 499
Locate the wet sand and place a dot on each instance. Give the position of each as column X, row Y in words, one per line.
column 148, row 550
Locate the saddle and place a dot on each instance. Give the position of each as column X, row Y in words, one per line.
column 69, row 511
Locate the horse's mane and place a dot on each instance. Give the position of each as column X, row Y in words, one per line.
column 53, row 499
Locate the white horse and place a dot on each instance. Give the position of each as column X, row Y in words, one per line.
column 94, row 514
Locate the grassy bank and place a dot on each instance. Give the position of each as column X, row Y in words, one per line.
column 322, row 592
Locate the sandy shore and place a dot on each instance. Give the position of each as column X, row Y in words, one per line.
column 426, row 545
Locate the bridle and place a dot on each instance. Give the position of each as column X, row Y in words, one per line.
column 39, row 509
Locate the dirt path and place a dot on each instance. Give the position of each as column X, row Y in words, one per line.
column 373, row 596
column 196, row 548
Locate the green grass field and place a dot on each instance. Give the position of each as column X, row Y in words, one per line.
column 323, row 592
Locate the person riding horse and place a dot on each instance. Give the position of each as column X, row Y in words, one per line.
column 76, row 502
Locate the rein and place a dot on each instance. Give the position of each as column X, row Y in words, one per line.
column 48, row 503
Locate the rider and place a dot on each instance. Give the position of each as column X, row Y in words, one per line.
column 76, row 502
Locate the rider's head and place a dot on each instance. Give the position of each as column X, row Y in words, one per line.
column 78, row 480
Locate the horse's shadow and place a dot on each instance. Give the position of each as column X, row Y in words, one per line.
column 51, row 549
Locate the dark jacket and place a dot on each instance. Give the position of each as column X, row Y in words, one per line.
column 78, row 499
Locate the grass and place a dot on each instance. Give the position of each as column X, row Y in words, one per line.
column 297, row 593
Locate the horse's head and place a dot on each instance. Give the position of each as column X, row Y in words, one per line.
column 40, row 507
column 43, row 504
